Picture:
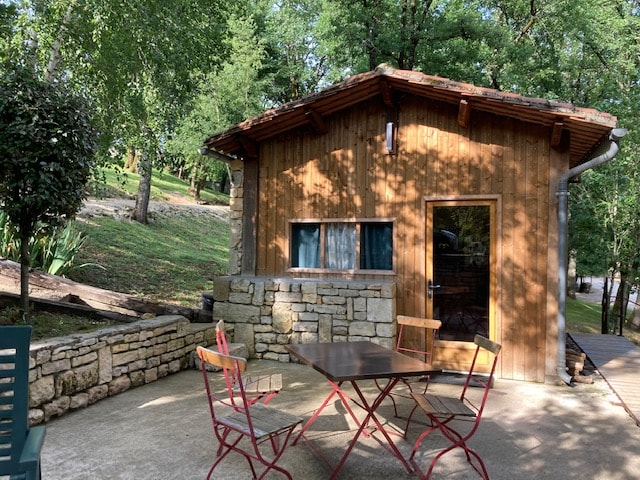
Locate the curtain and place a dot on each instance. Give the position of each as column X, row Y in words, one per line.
column 306, row 246
column 340, row 246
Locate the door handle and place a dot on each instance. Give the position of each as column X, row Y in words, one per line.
column 430, row 288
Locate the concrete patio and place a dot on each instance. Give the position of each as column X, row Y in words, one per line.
column 162, row 431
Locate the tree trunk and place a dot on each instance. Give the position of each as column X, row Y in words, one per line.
column 571, row 276
column 144, row 189
column 199, row 187
column 621, row 302
column 131, row 163
column 55, row 56
column 25, row 263
column 45, row 287
column 192, row 185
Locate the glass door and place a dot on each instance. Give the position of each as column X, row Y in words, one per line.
column 460, row 267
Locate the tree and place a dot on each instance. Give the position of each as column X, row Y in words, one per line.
column 139, row 62
column 295, row 63
column 225, row 96
column 47, row 146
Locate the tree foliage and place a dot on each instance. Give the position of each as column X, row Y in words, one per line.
column 164, row 75
column 47, row 145
column 225, row 96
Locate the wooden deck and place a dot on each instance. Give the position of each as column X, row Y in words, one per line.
column 618, row 361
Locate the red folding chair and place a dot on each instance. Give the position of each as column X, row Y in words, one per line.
column 429, row 327
column 449, row 415
column 261, row 387
column 267, row 429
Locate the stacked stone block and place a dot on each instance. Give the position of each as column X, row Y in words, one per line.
column 267, row 314
column 72, row 372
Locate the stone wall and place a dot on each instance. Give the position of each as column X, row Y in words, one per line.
column 267, row 314
column 73, row 372
column 236, row 208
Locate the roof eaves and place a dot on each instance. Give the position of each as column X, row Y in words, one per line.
column 360, row 87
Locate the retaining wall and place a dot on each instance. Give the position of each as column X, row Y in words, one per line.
column 68, row 373
column 267, row 314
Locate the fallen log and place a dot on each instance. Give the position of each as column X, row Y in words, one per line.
column 12, row 299
column 45, row 286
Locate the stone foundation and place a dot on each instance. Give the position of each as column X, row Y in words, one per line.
column 267, row 314
column 73, row 372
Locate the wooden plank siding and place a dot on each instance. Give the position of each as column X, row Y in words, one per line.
column 347, row 174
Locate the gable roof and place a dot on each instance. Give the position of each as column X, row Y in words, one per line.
column 587, row 127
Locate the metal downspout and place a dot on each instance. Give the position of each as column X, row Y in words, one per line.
column 612, row 147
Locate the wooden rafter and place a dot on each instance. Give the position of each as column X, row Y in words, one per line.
column 316, row 120
column 248, row 145
column 464, row 112
column 556, row 134
column 387, row 94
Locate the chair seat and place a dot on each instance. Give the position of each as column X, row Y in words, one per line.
column 443, row 410
column 443, row 406
column 266, row 421
column 262, row 384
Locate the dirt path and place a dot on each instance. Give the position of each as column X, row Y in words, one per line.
column 122, row 209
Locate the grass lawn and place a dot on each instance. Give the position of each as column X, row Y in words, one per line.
column 172, row 260
column 163, row 187
column 586, row 317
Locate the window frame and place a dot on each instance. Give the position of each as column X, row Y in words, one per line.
column 358, row 223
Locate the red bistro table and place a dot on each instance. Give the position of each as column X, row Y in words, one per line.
column 352, row 362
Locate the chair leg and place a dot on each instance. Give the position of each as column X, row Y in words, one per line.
column 457, row 441
column 406, row 428
column 268, row 397
column 281, row 444
column 278, row 446
column 222, row 452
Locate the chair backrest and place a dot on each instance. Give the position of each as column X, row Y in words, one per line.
column 483, row 380
column 229, row 372
column 428, row 325
column 221, row 338
column 232, row 368
column 14, row 394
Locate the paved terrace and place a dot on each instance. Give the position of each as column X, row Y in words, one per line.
column 162, row 431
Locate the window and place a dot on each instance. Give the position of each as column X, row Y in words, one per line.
column 342, row 245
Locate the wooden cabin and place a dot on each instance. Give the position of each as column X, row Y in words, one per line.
column 396, row 192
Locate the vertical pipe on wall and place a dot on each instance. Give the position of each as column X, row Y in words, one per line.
column 611, row 150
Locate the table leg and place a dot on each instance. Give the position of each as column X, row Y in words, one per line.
column 370, row 409
column 343, row 398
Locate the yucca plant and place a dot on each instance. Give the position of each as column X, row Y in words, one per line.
column 8, row 246
column 53, row 253
column 60, row 254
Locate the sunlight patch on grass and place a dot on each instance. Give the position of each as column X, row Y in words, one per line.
column 172, row 260
column 163, row 184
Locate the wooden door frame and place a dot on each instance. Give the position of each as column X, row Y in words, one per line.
column 464, row 350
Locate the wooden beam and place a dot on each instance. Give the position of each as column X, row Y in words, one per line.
column 249, row 146
column 464, row 112
column 249, row 216
column 387, row 93
column 316, row 120
column 556, row 134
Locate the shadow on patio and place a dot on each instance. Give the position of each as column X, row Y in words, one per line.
column 162, row 431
